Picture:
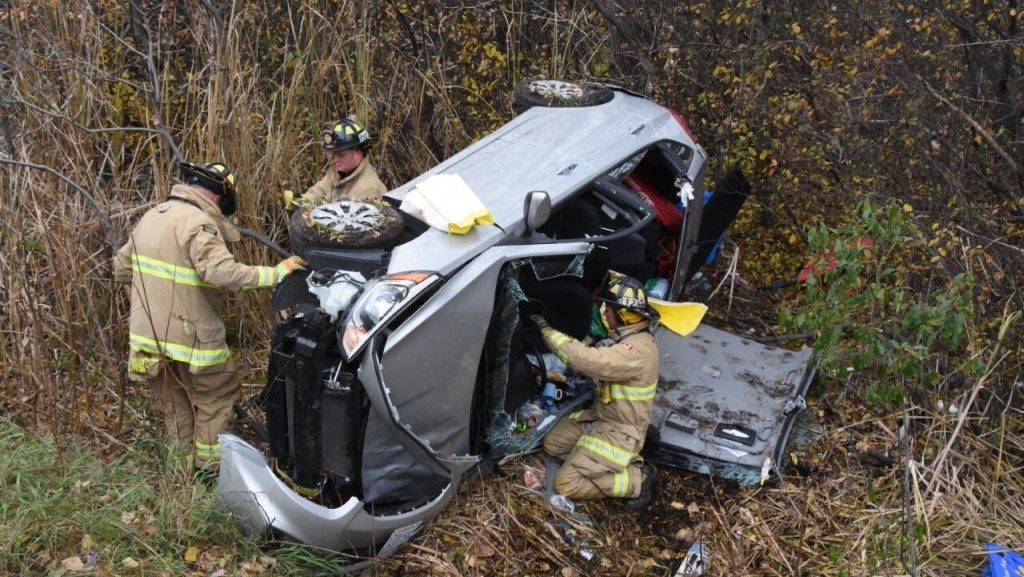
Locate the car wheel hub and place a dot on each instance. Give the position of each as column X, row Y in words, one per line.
column 556, row 89
column 347, row 216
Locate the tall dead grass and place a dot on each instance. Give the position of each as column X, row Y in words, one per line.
column 107, row 94
column 251, row 84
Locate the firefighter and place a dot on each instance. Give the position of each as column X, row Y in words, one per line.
column 351, row 176
column 600, row 445
column 176, row 259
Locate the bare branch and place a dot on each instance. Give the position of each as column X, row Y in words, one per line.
column 80, row 126
column 977, row 126
column 104, row 218
column 633, row 38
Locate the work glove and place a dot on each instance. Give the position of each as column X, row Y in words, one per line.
column 539, row 321
column 289, row 265
column 288, row 199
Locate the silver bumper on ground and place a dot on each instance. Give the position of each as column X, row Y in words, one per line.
column 261, row 501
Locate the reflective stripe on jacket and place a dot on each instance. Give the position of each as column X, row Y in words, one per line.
column 628, row 372
column 176, row 259
column 362, row 184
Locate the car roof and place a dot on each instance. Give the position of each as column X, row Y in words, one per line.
column 557, row 150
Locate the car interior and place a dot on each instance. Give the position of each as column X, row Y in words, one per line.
column 634, row 218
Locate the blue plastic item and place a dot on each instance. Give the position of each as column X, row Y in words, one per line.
column 1003, row 562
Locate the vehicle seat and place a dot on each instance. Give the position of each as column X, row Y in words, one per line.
column 567, row 306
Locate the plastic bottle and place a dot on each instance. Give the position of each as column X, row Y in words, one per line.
column 657, row 288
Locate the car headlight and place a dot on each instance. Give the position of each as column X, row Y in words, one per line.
column 381, row 300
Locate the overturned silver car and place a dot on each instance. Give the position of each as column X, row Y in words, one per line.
column 375, row 415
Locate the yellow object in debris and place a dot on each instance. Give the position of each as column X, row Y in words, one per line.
column 446, row 202
column 680, row 318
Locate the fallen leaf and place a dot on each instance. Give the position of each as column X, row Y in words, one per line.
column 73, row 564
column 677, row 506
column 568, row 572
column 128, row 517
column 129, row 563
column 684, row 535
column 191, row 555
column 252, row 568
column 531, row 480
column 87, row 542
column 693, row 508
column 483, row 550
column 268, row 561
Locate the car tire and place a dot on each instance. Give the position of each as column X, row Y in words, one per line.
column 346, row 224
column 558, row 93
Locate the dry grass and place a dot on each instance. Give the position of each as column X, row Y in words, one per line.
column 251, row 86
column 839, row 511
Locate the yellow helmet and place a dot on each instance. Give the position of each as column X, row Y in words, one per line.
column 627, row 296
column 344, row 134
column 215, row 177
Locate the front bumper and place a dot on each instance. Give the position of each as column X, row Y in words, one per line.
column 260, row 502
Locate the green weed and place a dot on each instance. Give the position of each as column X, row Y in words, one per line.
column 866, row 312
column 72, row 511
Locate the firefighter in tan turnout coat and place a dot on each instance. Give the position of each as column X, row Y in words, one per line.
column 176, row 260
column 600, row 445
column 351, row 176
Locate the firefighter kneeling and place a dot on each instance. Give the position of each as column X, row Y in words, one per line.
column 600, row 445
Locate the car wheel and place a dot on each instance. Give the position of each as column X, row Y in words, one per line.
column 345, row 224
column 558, row 93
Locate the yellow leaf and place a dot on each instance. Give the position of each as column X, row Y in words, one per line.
column 129, row 563
column 907, row 207
column 191, row 555
column 795, row 27
column 678, row 506
column 87, row 542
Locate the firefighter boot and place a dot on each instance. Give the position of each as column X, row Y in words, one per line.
column 641, row 501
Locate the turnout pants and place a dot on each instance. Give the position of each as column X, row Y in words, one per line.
column 196, row 408
column 599, row 458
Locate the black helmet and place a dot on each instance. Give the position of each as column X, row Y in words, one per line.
column 627, row 296
column 344, row 134
column 215, row 177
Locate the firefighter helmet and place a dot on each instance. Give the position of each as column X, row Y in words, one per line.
column 215, row 177
column 626, row 295
column 344, row 134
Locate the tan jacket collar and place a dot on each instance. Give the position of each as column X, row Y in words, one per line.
column 198, row 198
column 623, row 332
column 338, row 180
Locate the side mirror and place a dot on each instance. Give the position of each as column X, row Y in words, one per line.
column 536, row 210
